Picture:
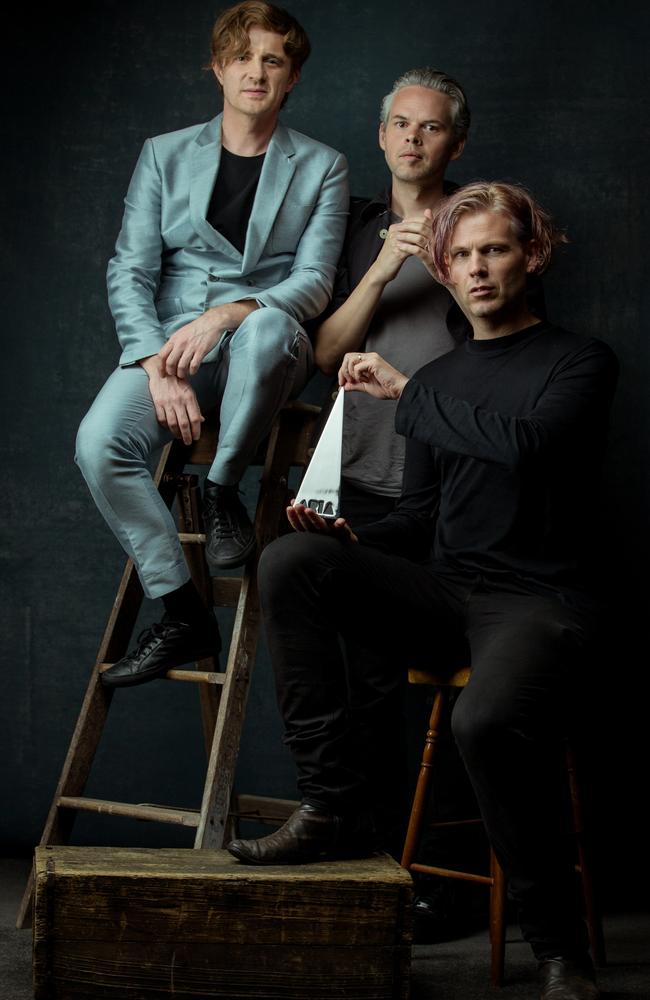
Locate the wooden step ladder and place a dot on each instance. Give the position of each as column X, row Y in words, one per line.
column 223, row 694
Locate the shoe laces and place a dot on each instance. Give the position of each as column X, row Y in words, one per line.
column 149, row 636
column 222, row 519
column 223, row 510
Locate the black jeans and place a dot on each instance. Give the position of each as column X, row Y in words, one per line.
column 527, row 653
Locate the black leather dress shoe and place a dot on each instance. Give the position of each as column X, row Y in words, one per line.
column 229, row 534
column 162, row 647
column 565, row 979
column 308, row 835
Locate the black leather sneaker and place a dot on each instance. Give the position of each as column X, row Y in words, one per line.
column 229, row 534
column 164, row 646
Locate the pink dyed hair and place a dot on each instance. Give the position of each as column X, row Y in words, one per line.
column 530, row 221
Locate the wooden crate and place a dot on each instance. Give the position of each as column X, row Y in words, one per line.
column 149, row 924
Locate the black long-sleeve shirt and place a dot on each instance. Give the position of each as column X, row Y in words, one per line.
column 504, row 445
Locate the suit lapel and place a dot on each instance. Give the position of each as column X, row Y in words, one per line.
column 278, row 169
column 204, row 166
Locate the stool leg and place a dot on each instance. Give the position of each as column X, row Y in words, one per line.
column 416, row 819
column 497, row 920
column 594, row 923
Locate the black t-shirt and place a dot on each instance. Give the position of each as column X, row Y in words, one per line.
column 233, row 196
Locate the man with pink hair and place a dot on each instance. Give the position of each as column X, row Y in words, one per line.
column 485, row 559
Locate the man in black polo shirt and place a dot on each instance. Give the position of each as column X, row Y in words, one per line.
column 487, row 555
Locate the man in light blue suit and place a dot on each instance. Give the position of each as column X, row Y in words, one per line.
column 230, row 239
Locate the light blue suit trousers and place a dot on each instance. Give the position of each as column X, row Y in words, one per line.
column 258, row 368
column 170, row 266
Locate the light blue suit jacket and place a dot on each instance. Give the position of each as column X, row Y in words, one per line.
column 170, row 265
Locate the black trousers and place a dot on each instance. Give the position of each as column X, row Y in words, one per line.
column 528, row 655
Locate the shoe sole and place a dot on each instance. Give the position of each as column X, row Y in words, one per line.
column 134, row 680
column 336, row 854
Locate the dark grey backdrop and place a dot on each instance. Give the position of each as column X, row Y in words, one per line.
column 559, row 99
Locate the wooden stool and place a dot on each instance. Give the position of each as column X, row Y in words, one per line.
column 496, row 879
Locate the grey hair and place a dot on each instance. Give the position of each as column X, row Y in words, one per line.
column 432, row 79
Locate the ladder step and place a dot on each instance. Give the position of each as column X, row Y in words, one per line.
column 159, row 814
column 441, row 824
column 191, row 538
column 194, row 676
column 262, row 808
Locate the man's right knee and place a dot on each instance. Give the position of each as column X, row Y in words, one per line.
column 292, row 561
column 98, row 449
column 280, row 560
column 87, row 452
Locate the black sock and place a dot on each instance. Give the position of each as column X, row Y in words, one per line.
column 211, row 485
column 185, row 604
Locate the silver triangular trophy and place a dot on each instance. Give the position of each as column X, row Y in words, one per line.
column 321, row 486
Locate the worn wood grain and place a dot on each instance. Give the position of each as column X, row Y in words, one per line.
column 114, row 922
